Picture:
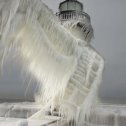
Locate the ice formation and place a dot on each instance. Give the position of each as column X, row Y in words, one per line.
column 67, row 68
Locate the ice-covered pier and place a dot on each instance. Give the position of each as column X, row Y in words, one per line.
column 104, row 115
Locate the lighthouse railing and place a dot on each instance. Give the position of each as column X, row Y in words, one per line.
column 72, row 15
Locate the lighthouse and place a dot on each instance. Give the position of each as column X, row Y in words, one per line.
column 72, row 16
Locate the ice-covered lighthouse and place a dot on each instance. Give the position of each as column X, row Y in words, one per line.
column 67, row 69
column 71, row 12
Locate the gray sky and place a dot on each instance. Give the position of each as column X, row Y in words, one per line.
column 108, row 19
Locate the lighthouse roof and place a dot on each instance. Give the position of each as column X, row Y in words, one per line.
column 70, row 5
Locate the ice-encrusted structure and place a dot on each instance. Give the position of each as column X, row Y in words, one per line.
column 66, row 67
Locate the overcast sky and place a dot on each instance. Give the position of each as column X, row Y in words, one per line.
column 109, row 22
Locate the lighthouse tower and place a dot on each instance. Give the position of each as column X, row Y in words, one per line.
column 71, row 14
